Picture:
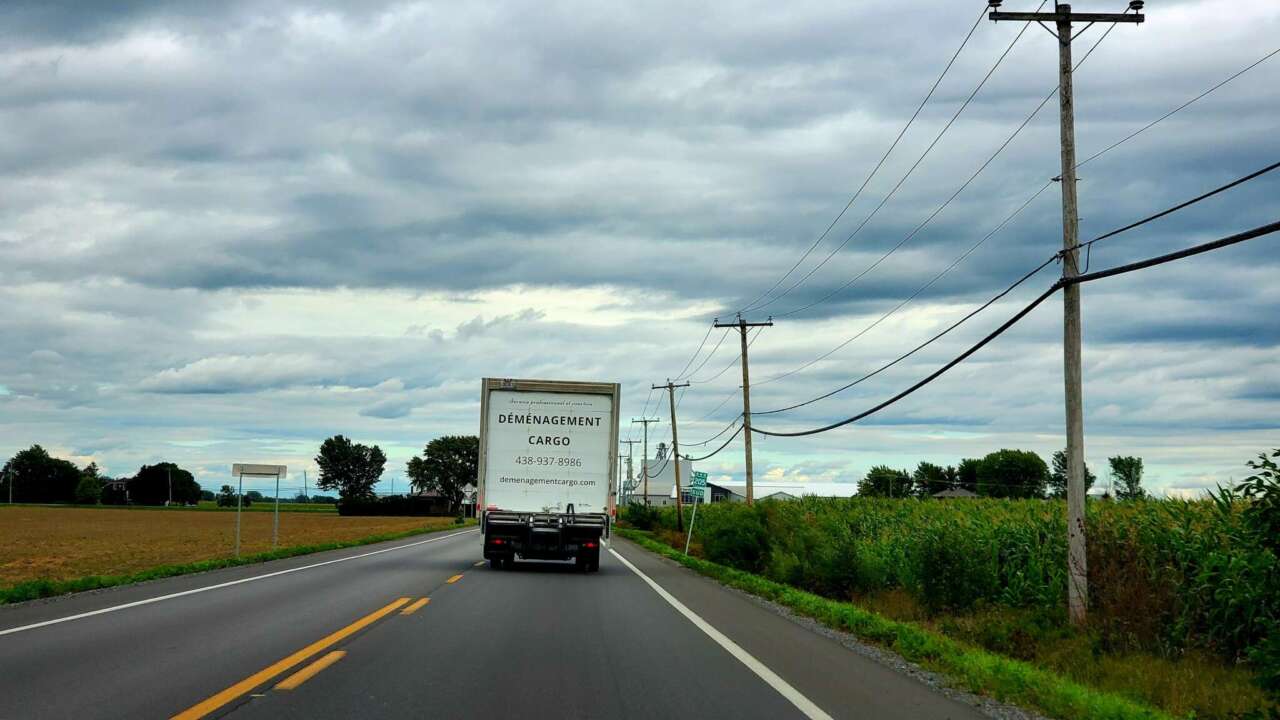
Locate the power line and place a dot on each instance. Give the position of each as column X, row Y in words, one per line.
column 713, row 437
column 730, row 365
column 717, row 450
column 1104, row 236
column 954, row 195
column 917, row 348
column 1176, row 255
column 645, row 413
column 1045, row 187
column 1063, row 282
column 905, row 176
column 709, row 355
column 1181, row 107
column 1024, row 278
column 695, row 352
column 1179, row 206
column 644, row 471
column 727, row 398
column 915, row 294
column 876, row 169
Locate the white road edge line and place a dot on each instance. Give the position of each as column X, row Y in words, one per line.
column 802, row 703
column 207, row 588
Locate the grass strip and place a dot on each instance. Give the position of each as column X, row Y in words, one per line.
column 36, row 589
column 968, row 667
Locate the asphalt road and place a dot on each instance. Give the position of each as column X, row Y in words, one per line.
column 353, row 638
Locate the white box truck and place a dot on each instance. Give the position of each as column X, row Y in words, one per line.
column 546, row 469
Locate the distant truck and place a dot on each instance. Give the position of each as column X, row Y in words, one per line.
column 547, row 458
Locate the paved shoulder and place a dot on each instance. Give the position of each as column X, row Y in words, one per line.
column 842, row 683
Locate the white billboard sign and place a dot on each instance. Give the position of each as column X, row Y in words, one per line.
column 546, row 450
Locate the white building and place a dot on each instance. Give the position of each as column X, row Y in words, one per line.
column 737, row 491
column 662, row 480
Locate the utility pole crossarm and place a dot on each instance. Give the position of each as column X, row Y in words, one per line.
column 1054, row 17
column 742, row 326
column 767, row 323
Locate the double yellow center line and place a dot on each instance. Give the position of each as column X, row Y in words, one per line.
column 415, row 607
column 276, row 669
column 310, row 671
column 221, row 699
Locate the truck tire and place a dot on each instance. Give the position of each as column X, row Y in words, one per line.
column 495, row 563
column 594, row 565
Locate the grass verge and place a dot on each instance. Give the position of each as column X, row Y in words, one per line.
column 36, row 589
column 969, row 668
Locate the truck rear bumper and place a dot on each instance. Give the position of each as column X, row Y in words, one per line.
column 543, row 536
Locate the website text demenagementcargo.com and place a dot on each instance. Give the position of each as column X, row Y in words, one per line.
column 546, row 481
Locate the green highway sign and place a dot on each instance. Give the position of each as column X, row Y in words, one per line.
column 698, row 485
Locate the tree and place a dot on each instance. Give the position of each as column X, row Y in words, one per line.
column 1058, row 480
column 448, row 464
column 929, row 479
column 89, row 489
column 301, row 499
column 350, row 468
column 1012, row 474
column 39, row 478
column 967, row 473
column 1126, row 472
column 884, row 481
column 151, row 486
column 207, row 496
column 254, row 496
column 226, row 496
column 113, row 493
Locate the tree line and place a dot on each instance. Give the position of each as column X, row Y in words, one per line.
column 38, row 477
column 1001, row 474
column 446, row 466
column 34, row 476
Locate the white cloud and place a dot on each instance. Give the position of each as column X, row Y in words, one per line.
column 241, row 373
column 231, row 230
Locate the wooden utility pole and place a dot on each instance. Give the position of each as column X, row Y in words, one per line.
column 675, row 447
column 742, row 326
column 628, row 485
column 1062, row 17
column 644, row 465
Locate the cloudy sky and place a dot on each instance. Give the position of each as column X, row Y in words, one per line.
column 230, row 230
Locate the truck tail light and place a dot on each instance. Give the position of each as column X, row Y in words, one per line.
column 588, row 545
column 496, row 541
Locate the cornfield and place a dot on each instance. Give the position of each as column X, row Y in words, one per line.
column 1164, row 576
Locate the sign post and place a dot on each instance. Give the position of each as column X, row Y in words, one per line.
column 697, row 488
column 242, row 469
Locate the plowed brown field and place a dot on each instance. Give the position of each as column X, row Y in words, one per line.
column 66, row 543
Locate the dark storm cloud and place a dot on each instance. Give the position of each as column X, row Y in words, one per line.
column 209, row 211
